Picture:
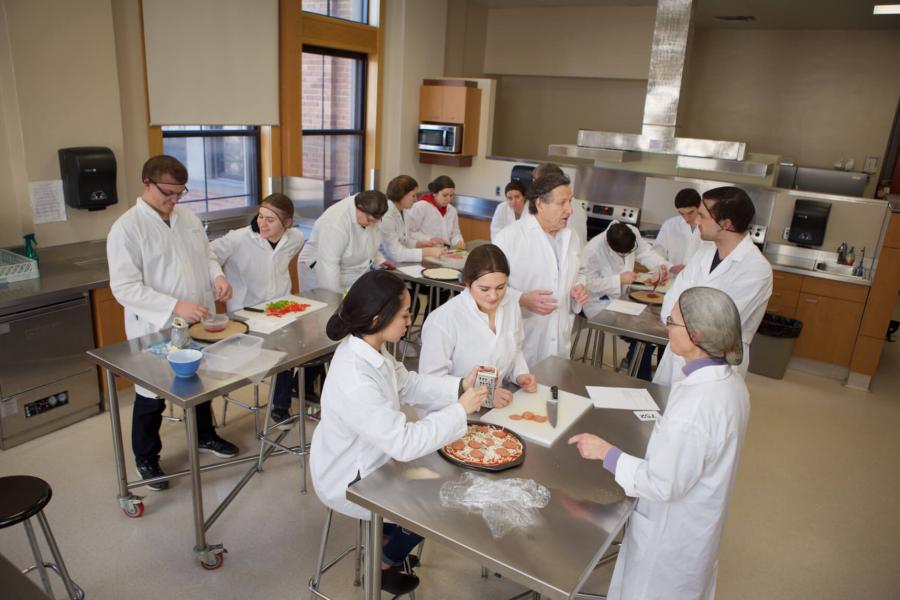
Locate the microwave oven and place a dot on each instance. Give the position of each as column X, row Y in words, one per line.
column 437, row 137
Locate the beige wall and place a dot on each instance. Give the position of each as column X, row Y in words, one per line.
column 466, row 38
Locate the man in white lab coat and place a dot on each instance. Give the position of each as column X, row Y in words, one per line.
column 731, row 264
column 161, row 266
column 544, row 261
column 679, row 238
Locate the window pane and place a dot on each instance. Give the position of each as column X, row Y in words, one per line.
column 353, row 10
column 337, row 160
column 332, row 90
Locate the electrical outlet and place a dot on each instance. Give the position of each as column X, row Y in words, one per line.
column 497, row 191
column 787, row 233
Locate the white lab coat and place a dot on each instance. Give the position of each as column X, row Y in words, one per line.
column 257, row 272
column 396, row 244
column 362, row 426
column 578, row 222
column 533, row 266
column 683, row 486
column 745, row 275
column 425, row 222
column 153, row 265
column 340, row 249
column 503, row 216
column 677, row 241
column 456, row 337
column 601, row 267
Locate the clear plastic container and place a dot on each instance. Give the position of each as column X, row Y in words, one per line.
column 15, row 267
column 232, row 353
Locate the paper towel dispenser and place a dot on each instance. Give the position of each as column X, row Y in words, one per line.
column 89, row 177
column 809, row 222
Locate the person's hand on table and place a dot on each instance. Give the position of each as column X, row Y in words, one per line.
column 461, row 245
column 527, row 381
column 388, row 264
column 190, row 311
column 627, row 277
column 473, row 398
column 436, row 252
column 590, row 446
column 579, row 294
column 663, row 275
column 502, row 397
column 222, row 288
column 676, row 269
column 541, row 302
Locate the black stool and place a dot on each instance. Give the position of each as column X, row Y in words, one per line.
column 23, row 497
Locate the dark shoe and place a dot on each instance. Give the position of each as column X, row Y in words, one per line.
column 148, row 469
column 397, row 582
column 281, row 418
column 219, row 447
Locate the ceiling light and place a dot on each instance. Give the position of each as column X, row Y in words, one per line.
column 886, row 9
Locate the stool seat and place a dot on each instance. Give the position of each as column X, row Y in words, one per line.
column 22, row 497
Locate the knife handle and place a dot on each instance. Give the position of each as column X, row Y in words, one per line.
column 256, row 310
column 554, row 392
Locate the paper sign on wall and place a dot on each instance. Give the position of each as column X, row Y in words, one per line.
column 47, row 201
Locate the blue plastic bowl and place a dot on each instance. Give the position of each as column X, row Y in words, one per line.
column 184, row 362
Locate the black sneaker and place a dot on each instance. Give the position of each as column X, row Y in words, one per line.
column 219, row 447
column 279, row 416
column 397, row 582
column 148, row 469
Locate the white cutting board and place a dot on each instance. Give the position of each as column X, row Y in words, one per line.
column 570, row 408
column 261, row 323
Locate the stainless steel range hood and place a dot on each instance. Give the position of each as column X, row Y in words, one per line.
column 659, row 129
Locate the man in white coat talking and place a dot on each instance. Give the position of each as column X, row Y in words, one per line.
column 544, row 262
column 161, row 266
column 731, row 264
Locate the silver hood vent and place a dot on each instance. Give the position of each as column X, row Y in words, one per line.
column 659, row 129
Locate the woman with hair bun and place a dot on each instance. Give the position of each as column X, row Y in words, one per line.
column 396, row 243
column 362, row 426
column 433, row 219
column 480, row 326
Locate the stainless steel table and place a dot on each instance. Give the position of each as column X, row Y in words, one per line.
column 302, row 341
column 645, row 328
column 587, row 507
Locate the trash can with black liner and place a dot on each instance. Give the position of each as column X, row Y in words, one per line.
column 773, row 345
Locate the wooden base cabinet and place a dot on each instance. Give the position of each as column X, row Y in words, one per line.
column 109, row 327
column 830, row 326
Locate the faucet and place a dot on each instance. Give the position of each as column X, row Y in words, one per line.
column 858, row 270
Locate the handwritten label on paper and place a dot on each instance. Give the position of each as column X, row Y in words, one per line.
column 47, row 201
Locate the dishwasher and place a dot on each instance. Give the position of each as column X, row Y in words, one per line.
column 46, row 381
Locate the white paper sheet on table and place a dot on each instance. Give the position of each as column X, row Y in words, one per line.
column 621, row 398
column 411, row 270
column 625, row 307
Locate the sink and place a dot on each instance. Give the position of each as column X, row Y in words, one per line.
column 829, row 267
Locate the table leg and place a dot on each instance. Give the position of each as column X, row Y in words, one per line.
column 210, row 557
column 373, row 557
column 130, row 503
column 635, row 365
column 304, row 456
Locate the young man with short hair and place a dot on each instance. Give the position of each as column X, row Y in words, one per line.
column 679, row 238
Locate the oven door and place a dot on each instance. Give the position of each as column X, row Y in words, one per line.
column 596, row 226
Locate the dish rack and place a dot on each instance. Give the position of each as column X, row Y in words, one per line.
column 15, row 267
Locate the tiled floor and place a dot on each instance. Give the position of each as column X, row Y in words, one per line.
column 814, row 515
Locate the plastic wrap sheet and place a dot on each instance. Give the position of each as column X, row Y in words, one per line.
column 504, row 504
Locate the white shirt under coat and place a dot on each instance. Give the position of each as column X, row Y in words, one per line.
column 745, row 275
column 341, row 249
column 396, row 243
column 362, row 426
column 426, row 222
column 153, row 265
column 601, row 267
column 456, row 338
column 683, row 486
column 677, row 241
column 533, row 265
column 256, row 271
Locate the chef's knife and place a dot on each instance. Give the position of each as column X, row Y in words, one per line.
column 553, row 405
column 256, row 310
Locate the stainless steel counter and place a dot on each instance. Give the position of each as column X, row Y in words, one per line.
column 646, row 327
column 586, row 511
column 475, row 207
column 803, row 261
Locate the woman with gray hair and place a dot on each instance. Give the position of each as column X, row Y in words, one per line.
column 684, row 482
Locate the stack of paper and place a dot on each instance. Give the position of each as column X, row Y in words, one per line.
column 625, row 307
column 622, row 398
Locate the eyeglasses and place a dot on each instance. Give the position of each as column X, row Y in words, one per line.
column 671, row 323
column 169, row 193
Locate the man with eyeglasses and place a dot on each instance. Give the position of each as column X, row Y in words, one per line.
column 160, row 267
column 732, row 263
column 344, row 243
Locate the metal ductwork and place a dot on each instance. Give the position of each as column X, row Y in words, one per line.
column 659, row 132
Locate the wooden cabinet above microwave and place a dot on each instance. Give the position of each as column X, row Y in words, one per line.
column 456, row 102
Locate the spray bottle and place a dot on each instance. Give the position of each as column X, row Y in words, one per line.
column 30, row 243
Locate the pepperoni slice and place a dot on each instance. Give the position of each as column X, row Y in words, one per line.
column 474, row 445
column 487, row 441
column 502, row 452
column 500, row 433
column 511, row 444
column 528, row 415
column 476, row 454
column 458, row 445
column 540, row 419
column 515, row 417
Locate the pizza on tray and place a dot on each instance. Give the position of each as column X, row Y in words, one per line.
column 486, row 446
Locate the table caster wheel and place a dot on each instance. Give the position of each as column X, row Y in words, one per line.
column 133, row 510
column 218, row 559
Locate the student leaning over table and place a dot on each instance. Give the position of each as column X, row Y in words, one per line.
column 732, row 264
column 362, row 426
column 161, row 266
column 684, row 482
column 480, row 326
column 396, row 243
column 257, row 262
column 544, row 276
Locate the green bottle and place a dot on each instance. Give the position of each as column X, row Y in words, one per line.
column 30, row 243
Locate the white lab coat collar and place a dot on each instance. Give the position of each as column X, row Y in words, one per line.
column 706, row 374
column 472, row 306
column 562, row 236
column 148, row 211
column 362, row 349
